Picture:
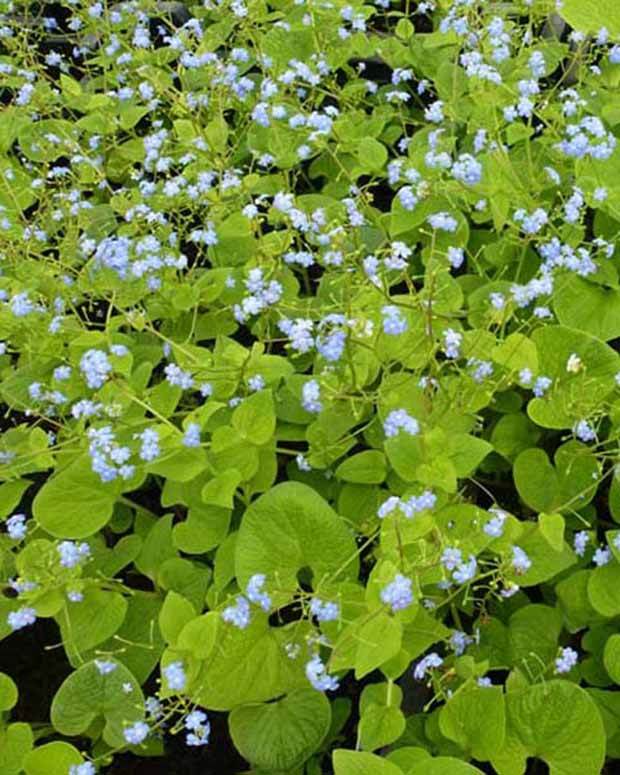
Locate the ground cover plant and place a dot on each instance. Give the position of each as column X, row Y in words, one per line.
column 309, row 326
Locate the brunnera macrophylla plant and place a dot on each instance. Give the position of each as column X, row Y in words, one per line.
column 309, row 313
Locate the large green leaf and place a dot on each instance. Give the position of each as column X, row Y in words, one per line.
column 588, row 307
column 360, row 763
column 380, row 725
column 15, row 742
column 75, row 503
column 611, row 657
column 280, row 735
column 247, row 665
column 475, row 720
column 443, row 765
column 573, row 395
column 364, row 468
column 604, row 590
column 255, row 419
column 289, row 528
column 51, row 759
column 85, row 624
column 8, row 692
column 86, row 695
column 549, row 721
column 591, row 15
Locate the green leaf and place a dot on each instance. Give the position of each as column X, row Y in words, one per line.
column 548, row 721
column 591, row 15
column 443, row 765
column 283, row 734
column 545, row 487
column 248, row 665
column 187, row 578
column 8, row 692
column 475, row 720
column 86, row 695
column 467, row 452
column 157, row 547
column 205, row 527
column 15, row 742
column 11, row 494
column 611, row 657
column 546, row 563
column 175, row 613
column 85, row 624
column 181, row 464
column 408, row 756
column 552, row 528
column 572, row 396
column 198, row 635
column 372, row 154
column 536, row 479
column 255, row 418
column 533, row 636
column 517, row 352
column 380, row 725
column 367, row 467
column 75, row 503
column 512, row 434
column 604, row 590
column 360, row 763
column 378, row 640
column 220, row 490
column 291, row 527
column 52, row 759
column 572, row 594
column 139, row 635
column 592, row 308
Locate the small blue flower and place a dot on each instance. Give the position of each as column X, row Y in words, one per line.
column 136, row 733
column 239, row 614
column 324, row 611
column 191, row 437
column 425, row 665
column 566, row 661
column 95, row 367
column 311, row 394
column 400, row 419
column 21, row 618
column 255, row 593
column 397, row 594
column 318, row 676
column 521, row 563
column 175, row 676
column 16, row 527
column 394, row 322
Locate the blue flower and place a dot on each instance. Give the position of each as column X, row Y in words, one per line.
column 21, row 618
column 136, row 733
column 175, row 676
column 425, row 665
column 400, row 419
column 191, row 438
column 397, row 594
column 239, row 614
column 95, row 367
column 566, row 661
column 324, row 611
column 318, row 676
column 255, row 592
column 149, row 449
column 311, row 394
column 394, row 322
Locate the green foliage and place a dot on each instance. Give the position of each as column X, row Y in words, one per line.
column 282, row 734
column 310, row 385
